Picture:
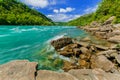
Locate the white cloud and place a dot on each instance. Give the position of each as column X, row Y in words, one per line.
column 62, row 17
column 90, row 9
column 62, row 10
column 55, row 11
column 37, row 3
column 42, row 3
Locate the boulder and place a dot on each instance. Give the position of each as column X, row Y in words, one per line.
column 109, row 21
column 82, row 44
column 66, row 53
column 100, row 34
column 84, row 50
column 106, row 28
column 114, row 39
column 83, row 64
column 108, row 52
column 101, row 62
column 68, row 66
column 51, row 75
column 60, row 43
column 94, row 24
column 118, row 58
column 116, row 32
column 95, row 74
column 76, row 51
column 18, row 70
column 92, row 29
column 86, row 39
column 116, row 25
column 100, row 47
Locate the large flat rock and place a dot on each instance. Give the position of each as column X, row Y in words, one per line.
column 51, row 75
column 95, row 74
column 114, row 39
column 101, row 62
column 18, row 70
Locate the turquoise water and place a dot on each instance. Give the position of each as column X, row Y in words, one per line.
column 33, row 43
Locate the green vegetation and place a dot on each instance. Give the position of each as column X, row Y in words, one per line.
column 13, row 12
column 118, row 46
column 106, row 9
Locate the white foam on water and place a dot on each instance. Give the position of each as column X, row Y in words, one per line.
column 4, row 35
column 56, row 37
column 16, row 48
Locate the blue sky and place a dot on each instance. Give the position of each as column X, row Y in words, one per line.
column 63, row 10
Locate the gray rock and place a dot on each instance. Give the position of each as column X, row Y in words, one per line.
column 18, row 70
column 51, row 75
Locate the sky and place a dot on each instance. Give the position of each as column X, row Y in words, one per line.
column 63, row 10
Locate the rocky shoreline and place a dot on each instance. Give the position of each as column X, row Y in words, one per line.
column 87, row 60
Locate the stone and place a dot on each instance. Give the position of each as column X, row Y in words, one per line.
column 76, row 51
column 108, row 52
column 100, row 34
column 93, row 49
column 81, row 62
column 68, row 65
column 92, row 29
column 94, row 74
column 51, row 75
column 60, row 43
column 82, row 44
column 118, row 58
column 18, row 70
column 114, row 39
column 94, row 24
column 73, row 45
column 86, row 39
column 66, row 53
column 116, row 25
column 84, row 50
column 101, row 62
column 85, row 56
column 100, row 47
column 116, row 32
column 109, row 21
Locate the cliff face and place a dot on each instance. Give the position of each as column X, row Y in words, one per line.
column 106, row 9
column 13, row 12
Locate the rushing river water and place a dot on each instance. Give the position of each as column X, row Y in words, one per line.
column 33, row 43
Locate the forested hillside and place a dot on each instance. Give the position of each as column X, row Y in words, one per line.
column 106, row 9
column 13, row 12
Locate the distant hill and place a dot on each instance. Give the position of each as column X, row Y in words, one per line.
column 13, row 12
column 106, row 9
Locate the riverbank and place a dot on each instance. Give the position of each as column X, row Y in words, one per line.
column 25, row 70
